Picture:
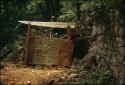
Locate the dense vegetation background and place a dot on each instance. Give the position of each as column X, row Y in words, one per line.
column 108, row 15
column 43, row 10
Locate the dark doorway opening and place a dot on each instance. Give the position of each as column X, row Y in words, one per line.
column 80, row 48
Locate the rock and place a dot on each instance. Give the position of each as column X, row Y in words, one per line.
column 63, row 77
column 94, row 31
column 82, row 73
column 121, row 32
column 32, row 71
column 72, row 76
column 27, row 83
column 74, row 70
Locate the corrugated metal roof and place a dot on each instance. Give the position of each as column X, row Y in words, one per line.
column 50, row 24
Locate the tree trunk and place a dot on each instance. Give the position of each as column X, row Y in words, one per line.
column 78, row 9
column 52, row 8
column 107, row 52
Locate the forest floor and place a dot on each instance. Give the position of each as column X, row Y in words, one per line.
column 13, row 74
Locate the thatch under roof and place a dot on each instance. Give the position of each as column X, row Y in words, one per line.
column 50, row 24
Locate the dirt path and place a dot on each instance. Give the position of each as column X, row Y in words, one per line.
column 15, row 74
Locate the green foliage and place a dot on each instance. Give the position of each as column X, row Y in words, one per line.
column 13, row 50
column 67, row 11
column 99, row 76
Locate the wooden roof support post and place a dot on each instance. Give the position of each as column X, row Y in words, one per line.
column 27, row 45
column 69, row 43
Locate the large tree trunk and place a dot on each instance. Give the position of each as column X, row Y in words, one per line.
column 108, row 50
column 52, row 8
column 78, row 9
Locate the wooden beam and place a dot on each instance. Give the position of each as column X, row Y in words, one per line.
column 27, row 45
column 62, row 25
column 69, row 43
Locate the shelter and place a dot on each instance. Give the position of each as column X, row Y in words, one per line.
column 44, row 49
